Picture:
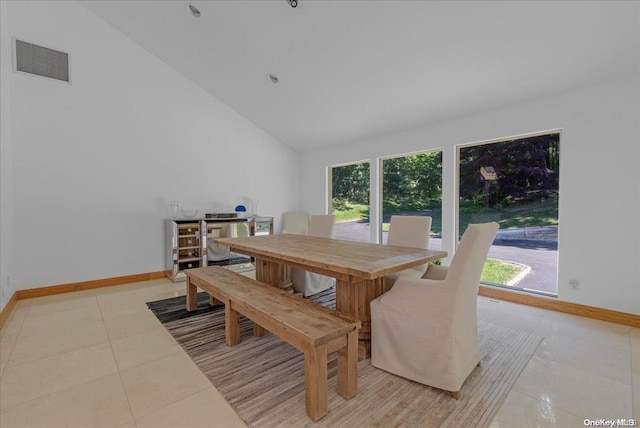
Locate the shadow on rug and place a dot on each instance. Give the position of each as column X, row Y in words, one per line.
column 263, row 378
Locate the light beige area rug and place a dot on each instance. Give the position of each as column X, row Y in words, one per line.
column 263, row 378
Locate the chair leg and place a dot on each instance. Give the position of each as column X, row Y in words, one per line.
column 455, row 394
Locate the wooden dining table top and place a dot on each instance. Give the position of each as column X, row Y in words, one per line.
column 335, row 257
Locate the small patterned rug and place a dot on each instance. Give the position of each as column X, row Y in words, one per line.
column 263, row 378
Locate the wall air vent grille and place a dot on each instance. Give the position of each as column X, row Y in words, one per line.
column 42, row 61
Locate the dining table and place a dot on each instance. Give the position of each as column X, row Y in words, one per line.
column 358, row 267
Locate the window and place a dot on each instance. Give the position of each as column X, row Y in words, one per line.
column 350, row 201
column 412, row 185
column 515, row 183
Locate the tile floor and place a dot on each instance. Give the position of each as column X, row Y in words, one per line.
column 100, row 358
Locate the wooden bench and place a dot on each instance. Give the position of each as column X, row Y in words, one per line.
column 311, row 328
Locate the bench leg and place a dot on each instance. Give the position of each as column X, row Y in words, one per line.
column 231, row 325
column 192, row 296
column 348, row 367
column 315, row 382
column 258, row 330
column 213, row 301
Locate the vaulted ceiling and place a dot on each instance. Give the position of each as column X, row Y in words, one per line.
column 349, row 70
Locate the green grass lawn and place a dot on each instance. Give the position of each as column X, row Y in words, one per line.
column 514, row 216
column 499, row 272
column 351, row 211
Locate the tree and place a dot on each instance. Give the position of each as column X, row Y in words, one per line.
column 411, row 182
column 527, row 168
column 414, row 181
column 351, row 182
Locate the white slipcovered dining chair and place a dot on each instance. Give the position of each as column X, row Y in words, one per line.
column 426, row 329
column 296, row 222
column 310, row 283
column 408, row 231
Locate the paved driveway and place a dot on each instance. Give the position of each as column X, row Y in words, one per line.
column 536, row 248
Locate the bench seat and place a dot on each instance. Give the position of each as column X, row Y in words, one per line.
column 314, row 330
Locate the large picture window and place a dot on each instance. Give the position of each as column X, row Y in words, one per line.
column 412, row 185
column 515, row 182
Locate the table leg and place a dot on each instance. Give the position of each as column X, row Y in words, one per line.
column 354, row 300
column 192, row 296
column 260, row 276
column 274, row 274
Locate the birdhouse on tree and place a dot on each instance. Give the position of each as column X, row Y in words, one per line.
column 488, row 175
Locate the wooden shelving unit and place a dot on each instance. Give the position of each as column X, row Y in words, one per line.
column 186, row 240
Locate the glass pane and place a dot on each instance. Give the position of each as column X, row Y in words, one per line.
column 412, row 185
column 515, row 183
column 350, row 201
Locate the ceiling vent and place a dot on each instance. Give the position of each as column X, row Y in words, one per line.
column 34, row 59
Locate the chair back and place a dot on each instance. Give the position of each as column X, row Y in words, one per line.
column 471, row 255
column 295, row 222
column 409, row 231
column 464, row 276
column 321, row 225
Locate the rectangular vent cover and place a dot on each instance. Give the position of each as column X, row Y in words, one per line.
column 42, row 61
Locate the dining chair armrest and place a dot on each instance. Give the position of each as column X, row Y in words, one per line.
column 436, row 272
column 416, row 295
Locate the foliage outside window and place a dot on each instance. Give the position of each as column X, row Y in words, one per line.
column 350, row 191
column 412, row 182
column 527, row 169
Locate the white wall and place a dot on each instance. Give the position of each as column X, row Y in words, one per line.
column 6, row 181
column 599, row 241
column 94, row 163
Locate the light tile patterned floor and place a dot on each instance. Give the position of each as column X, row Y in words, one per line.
column 101, row 358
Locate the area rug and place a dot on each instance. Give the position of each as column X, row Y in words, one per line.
column 174, row 308
column 263, row 378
